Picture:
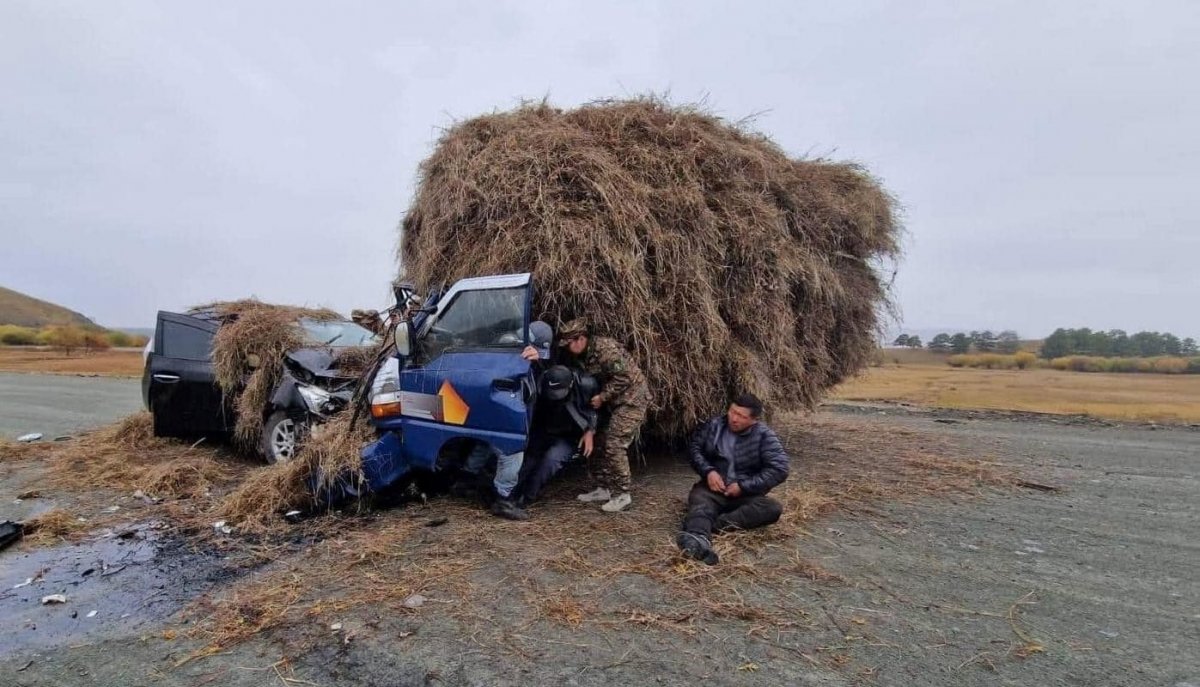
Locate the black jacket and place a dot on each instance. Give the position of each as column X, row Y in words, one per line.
column 578, row 402
column 759, row 462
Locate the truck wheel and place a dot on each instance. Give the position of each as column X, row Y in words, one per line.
column 281, row 436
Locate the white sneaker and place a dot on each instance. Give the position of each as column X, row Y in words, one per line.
column 617, row 503
column 597, row 494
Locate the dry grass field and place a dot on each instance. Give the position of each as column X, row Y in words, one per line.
column 112, row 363
column 1137, row 397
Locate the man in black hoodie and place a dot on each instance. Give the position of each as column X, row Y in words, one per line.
column 739, row 460
column 563, row 421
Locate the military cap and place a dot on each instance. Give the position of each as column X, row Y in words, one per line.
column 573, row 328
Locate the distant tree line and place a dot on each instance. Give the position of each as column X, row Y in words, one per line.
column 986, row 341
column 1115, row 343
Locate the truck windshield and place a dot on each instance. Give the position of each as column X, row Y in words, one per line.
column 337, row 333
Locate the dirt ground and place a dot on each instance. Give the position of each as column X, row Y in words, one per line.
column 1124, row 397
column 111, row 363
column 898, row 583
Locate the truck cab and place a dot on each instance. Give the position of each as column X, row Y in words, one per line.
column 457, row 379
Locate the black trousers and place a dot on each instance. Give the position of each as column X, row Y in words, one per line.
column 708, row 511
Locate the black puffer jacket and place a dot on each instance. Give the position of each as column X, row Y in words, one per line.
column 759, row 462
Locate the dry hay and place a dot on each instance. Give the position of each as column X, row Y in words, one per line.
column 723, row 264
column 51, row 526
column 252, row 329
column 566, row 565
column 332, row 451
column 126, row 456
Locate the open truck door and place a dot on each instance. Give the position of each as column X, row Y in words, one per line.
column 463, row 378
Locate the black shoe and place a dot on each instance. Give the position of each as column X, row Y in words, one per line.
column 505, row 508
column 698, row 547
column 464, row 489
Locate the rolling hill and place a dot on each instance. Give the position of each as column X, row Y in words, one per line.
column 27, row 311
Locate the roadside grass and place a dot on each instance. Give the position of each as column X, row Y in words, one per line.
column 1157, row 398
column 110, row 363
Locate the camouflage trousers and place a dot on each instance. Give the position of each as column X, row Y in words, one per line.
column 609, row 465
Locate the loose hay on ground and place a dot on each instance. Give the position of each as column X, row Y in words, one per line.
column 52, row 526
column 126, row 456
column 568, row 558
column 331, row 453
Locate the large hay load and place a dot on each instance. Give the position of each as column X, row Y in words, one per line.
column 722, row 263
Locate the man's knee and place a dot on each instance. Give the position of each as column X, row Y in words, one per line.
column 771, row 510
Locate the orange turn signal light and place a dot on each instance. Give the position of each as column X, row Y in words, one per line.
column 382, row 410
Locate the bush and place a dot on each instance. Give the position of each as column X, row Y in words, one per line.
column 14, row 335
column 1193, row 367
column 963, row 360
column 1024, row 360
column 119, row 339
column 95, row 341
column 1170, row 366
column 63, row 338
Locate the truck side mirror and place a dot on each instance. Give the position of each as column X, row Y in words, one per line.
column 404, row 335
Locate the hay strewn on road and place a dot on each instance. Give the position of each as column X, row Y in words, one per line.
column 721, row 262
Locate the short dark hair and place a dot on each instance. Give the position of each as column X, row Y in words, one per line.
column 750, row 402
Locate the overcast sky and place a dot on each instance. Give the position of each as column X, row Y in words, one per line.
column 157, row 155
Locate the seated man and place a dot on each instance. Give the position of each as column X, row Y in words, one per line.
column 739, row 459
column 563, row 420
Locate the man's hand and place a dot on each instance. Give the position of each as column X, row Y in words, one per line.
column 734, row 490
column 586, row 443
column 530, row 353
column 715, row 483
column 597, row 401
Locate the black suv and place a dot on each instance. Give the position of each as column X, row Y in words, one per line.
column 179, row 383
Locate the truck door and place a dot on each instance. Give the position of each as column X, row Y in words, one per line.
column 466, row 378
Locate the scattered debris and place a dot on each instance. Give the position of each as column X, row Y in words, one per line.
column 112, row 571
column 54, row 599
column 145, row 498
column 293, row 516
column 91, row 614
column 10, row 532
column 28, row 581
column 29, row 494
column 947, row 421
column 1109, row 634
column 336, row 627
column 1040, row 487
column 112, row 509
column 221, row 527
column 414, row 601
column 28, row 438
column 22, row 668
column 437, row 522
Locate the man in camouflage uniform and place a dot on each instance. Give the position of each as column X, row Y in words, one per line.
column 623, row 394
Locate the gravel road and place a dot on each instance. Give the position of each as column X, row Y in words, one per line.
column 1093, row 585
column 60, row 404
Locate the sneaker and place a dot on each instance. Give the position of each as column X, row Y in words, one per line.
column 697, row 547
column 617, row 503
column 597, row 494
column 505, row 508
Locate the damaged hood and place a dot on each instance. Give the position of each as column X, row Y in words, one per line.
column 317, row 361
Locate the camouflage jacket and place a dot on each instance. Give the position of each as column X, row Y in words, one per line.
column 621, row 381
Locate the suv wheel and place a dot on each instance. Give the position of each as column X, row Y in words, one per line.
column 281, row 436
